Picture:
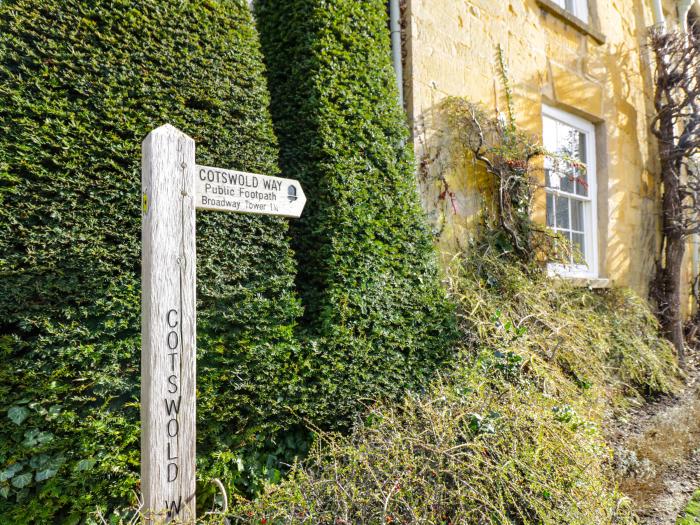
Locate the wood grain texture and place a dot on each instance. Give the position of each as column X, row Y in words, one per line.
column 168, row 347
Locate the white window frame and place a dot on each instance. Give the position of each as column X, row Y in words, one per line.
column 578, row 8
column 590, row 269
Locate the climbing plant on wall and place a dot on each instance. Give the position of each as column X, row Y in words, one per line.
column 676, row 127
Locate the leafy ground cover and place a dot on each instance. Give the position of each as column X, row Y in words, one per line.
column 691, row 514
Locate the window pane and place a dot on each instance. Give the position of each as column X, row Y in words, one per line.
column 566, row 183
column 549, row 133
column 576, row 7
column 550, row 210
column 569, row 141
column 568, row 149
column 551, row 179
column 576, row 215
column 582, row 148
column 582, row 182
column 582, row 174
column 562, row 212
column 562, row 171
column 579, row 247
column 582, row 10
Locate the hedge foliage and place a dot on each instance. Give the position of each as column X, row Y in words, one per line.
column 374, row 308
column 81, row 84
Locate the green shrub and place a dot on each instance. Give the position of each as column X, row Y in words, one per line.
column 81, row 84
column 605, row 343
column 511, row 434
column 472, row 451
column 375, row 312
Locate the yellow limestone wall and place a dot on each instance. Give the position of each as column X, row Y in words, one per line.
column 450, row 50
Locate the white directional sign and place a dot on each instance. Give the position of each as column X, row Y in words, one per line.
column 237, row 191
column 173, row 186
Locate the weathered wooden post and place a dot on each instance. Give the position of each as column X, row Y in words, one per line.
column 172, row 188
column 168, row 332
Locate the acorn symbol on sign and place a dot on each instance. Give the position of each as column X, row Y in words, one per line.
column 292, row 193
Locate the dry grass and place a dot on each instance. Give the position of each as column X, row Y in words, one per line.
column 509, row 435
column 672, row 436
column 468, row 452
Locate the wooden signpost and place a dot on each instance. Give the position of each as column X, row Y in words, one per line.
column 173, row 187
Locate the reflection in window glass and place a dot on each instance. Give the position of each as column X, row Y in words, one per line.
column 577, row 215
column 562, row 213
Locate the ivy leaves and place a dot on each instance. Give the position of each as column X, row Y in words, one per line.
column 17, row 414
column 38, row 464
column 22, row 480
column 35, row 437
column 20, row 475
column 10, row 471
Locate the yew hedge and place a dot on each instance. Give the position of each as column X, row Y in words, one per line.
column 377, row 317
column 81, row 84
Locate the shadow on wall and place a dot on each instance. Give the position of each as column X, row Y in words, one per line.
column 452, row 185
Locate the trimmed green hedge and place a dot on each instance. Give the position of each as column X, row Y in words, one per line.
column 81, row 84
column 377, row 315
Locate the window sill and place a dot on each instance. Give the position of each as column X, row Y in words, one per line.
column 562, row 14
column 583, row 282
column 589, row 282
column 578, row 277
